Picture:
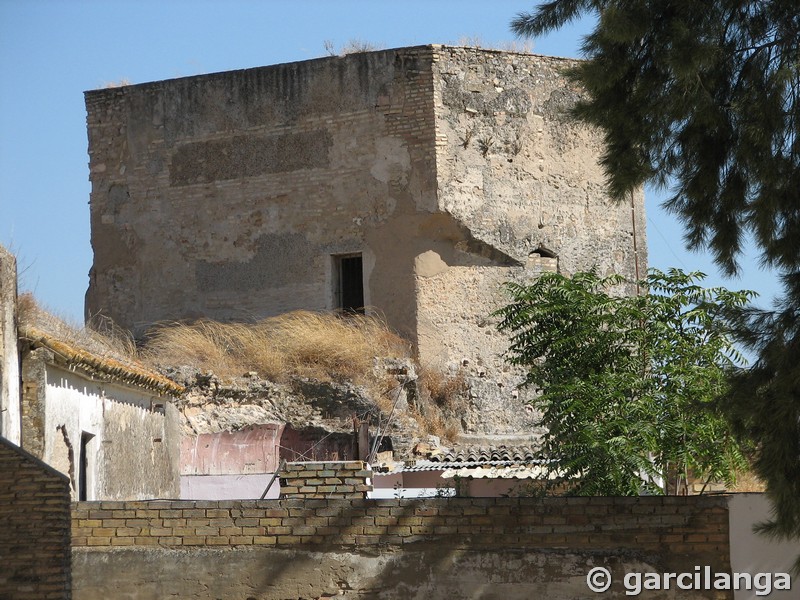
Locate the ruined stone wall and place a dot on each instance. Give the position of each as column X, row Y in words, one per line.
column 9, row 357
column 516, row 170
column 226, row 195
column 433, row 548
column 134, row 449
column 34, row 528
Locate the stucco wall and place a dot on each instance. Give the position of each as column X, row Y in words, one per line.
column 230, row 464
column 134, row 451
column 753, row 553
column 9, row 357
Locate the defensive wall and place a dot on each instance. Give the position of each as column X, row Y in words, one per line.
column 414, row 181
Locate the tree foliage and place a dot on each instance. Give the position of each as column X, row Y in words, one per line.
column 628, row 384
column 704, row 97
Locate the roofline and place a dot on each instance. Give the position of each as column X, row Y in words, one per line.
column 105, row 368
column 429, row 47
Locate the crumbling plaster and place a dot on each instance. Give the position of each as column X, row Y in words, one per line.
column 134, row 453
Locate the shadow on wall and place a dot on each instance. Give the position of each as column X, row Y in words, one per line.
column 434, row 548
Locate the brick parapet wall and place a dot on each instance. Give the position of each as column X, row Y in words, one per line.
column 34, row 528
column 691, row 530
column 329, row 479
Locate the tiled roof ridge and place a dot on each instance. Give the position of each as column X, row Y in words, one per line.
column 103, row 367
column 475, row 453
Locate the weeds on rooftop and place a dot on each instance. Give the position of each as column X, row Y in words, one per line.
column 106, row 340
column 322, row 346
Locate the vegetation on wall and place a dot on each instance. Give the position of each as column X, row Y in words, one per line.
column 325, row 347
column 321, row 346
column 628, row 384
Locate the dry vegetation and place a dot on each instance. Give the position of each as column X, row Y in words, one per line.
column 322, row 346
column 748, row 482
column 447, row 395
column 518, row 46
column 446, row 391
column 115, row 84
column 353, row 46
column 105, row 340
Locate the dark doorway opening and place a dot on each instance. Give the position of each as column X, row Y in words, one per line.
column 350, row 283
column 83, row 474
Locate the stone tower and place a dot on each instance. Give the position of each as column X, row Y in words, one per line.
column 414, row 181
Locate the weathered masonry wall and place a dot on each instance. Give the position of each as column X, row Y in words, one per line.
column 524, row 177
column 34, row 528
column 449, row 170
column 227, row 195
column 125, row 438
column 9, row 358
column 434, row 548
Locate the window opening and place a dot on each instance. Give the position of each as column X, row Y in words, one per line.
column 543, row 259
column 350, row 283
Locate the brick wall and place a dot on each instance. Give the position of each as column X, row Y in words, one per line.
column 34, row 528
column 330, row 479
column 685, row 527
column 434, row 548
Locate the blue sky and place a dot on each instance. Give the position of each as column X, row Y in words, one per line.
column 52, row 51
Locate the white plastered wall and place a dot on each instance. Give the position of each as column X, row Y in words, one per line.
column 129, row 456
column 752, row 553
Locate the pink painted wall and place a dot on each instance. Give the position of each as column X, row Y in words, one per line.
column 251, row 450
column 229, row 487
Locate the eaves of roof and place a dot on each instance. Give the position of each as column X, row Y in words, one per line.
column 106, row 369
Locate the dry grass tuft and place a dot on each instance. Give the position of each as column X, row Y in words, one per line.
column 322, row 346
column 444, row 402
column 109, row 341
column 446, row 391
column 352, row 46
column 475, row 41
column 748, row 482
column 115, row 84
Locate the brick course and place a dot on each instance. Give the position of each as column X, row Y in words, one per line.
column 340, row 479
column 34, row 528
column 680, row 531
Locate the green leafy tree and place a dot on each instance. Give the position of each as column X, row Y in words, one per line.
column 628, row 383
column 704, row 97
